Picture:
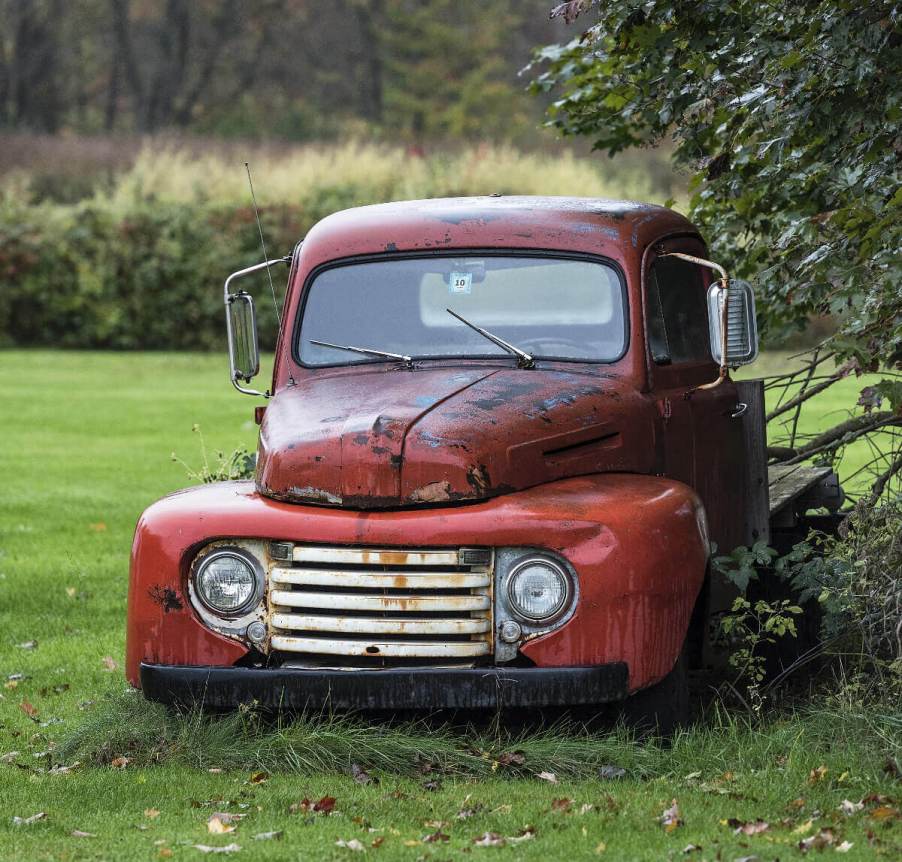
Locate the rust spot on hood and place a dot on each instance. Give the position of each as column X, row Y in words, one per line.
column 435, row 492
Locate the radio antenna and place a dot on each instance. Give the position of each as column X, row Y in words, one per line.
column 272, row 287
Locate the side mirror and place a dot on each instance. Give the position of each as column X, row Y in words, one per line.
column 732, row 312
column 241, row 324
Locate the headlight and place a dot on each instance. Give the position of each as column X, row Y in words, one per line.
column 538, row 589
column 226, row 582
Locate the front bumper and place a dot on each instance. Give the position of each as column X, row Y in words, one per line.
column 394, row 689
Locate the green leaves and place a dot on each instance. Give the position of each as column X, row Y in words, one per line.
column 788, row 122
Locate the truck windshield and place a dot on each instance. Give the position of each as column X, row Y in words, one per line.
column 552, row 308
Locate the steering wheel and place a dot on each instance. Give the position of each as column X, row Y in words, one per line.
column 535, row 344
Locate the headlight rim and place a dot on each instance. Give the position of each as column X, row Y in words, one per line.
column 255, row 597
column 565, row 605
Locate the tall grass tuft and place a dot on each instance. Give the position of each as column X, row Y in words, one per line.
column 123, row 724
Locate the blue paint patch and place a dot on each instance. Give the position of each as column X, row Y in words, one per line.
column 424, row 400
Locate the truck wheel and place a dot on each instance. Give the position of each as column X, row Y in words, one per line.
column 663, row 708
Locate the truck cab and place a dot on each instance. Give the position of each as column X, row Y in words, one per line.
column 498, row 444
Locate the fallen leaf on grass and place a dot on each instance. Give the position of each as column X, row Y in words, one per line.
column 378, row 842
column 509, row 758
column 325, row 805
column 892, row 768
column 586, row 807
column 752, row 827
column 109, row 663
column 258, row 777
column 432, row 786
column 489, row 839
column 545, row 776
column 562, row 805
column 27, row 821
column 671, row 819
column 436, row 837
column 353, row 844
column 165, row 853
column 466, row 813
column 849, row 808
column 99, row 527
column 845, row 847
column 526, row 834
column 600, row 848
column 120, row 762
column 77, row 833
column 817, row 775
column 217, row 826
column 269, row 836
column 151, row 813
column 206, row 848
column 818, row 841
column 28, row 645
column 29, row 710
column 361, row 776
column 609, row 772
column 60, row 769
column 9, row 757
column 884, row 812
column 70, row 592
column 691, row 848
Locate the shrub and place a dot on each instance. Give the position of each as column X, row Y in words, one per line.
column 140, row 265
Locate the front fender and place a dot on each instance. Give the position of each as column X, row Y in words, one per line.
column 638, row 545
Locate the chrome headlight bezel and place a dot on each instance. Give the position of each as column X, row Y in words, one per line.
column 566, row 593
column 204, row 560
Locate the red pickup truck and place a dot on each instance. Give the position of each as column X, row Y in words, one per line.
column 499, row 442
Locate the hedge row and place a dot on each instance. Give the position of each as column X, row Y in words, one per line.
column 148, row 278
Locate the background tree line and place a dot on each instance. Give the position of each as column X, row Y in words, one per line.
column 295, row 69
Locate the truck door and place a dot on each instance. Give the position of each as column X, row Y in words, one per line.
column 701, row 428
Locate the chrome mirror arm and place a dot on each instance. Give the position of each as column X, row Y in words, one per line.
column 227, row 299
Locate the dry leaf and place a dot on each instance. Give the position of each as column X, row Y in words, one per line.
column 77, row 833
column 691, row 848
column 436, row 837
column 510, row 758
column 586, row 807
column 752, row 827
column 547, row 776
column 269, row 836
column 609, row 772
column 325, row 805
column 526, row 834
column 823, row 838
column 466, row 813
column 849, row 808
column 361, row 776
column 671, row 819
column 70, row 592
column 562, row 805
column 214, row 770
column 845, row 847
column 817, row 775
column 165, row 853
column 489, row 839
column 600, row 848
column 353, row 844
column 59, row 769
column 28, row 645
column 99, row 527
column 259, row 777
column 206, row 848
column 216, row 826
column 120, row 762
column 152, row 813
column 378, row 842
column 27, row 821
column 29, row 710
column 109, row 663
column 9, row 757
column 884, row 812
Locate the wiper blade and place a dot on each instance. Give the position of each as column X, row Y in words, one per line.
column 368, row 351
column 524, row 360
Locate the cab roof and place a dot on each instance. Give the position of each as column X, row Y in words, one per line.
column 613, row 228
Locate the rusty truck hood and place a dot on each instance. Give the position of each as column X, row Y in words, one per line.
column 375, row 439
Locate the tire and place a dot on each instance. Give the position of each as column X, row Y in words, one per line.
column 663, row 708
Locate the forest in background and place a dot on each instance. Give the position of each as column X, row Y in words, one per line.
column 411, row 71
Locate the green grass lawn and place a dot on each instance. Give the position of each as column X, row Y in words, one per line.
column 87, row 439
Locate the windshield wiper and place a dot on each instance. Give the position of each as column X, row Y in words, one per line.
column 524, row 360
column 368, row 351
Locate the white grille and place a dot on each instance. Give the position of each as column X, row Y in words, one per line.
column 382, row 606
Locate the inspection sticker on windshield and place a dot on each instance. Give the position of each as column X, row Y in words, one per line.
column 460, row 282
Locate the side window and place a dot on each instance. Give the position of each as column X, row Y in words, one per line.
column 677, row 312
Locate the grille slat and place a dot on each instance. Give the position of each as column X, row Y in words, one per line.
column 382, row 605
